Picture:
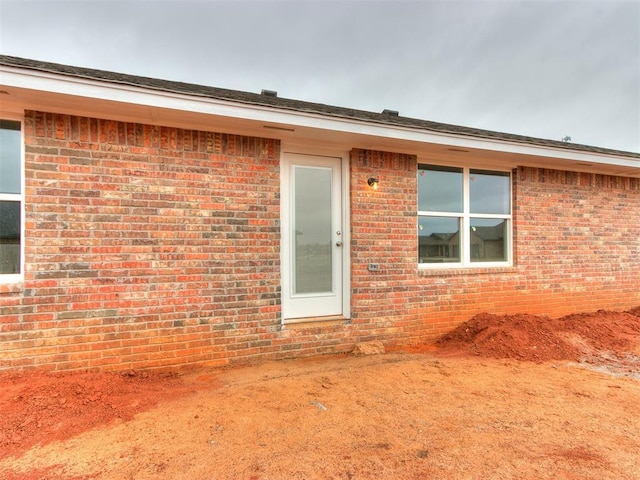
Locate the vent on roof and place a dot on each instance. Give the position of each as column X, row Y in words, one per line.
column 269, row 93
column 393, row 113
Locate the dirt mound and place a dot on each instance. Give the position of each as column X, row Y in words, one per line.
column 40, row 407
column 541, row 339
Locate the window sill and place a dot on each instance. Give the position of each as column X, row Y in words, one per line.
column 11, row 287
column 456, row 271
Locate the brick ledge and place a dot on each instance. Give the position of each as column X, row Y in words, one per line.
column 314, row 322
column 15, row 287
column 451, row 272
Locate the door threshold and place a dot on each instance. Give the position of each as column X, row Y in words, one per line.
column 312, row 322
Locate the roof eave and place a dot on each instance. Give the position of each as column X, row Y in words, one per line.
column 252, row 111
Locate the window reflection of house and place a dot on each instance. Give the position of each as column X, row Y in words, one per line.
column 440, row 247
column 487, row 243
column 9, row 237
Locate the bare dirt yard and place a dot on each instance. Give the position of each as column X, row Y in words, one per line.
column 501, row 397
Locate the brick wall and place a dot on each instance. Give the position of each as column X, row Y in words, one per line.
column 578, row 241
column 383, row 231
column 577, row 248
column 148, row 246
column 160, row 247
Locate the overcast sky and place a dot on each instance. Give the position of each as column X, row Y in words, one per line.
column 542, row 68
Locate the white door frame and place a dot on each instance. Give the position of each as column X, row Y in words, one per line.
column 287, row 156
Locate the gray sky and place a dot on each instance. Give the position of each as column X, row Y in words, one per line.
column 541, row 68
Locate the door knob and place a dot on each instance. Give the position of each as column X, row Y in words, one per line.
column 338, row 244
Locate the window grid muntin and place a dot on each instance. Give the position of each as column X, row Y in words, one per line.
column 465, row 223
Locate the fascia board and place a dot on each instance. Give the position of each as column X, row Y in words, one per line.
column 92, row 89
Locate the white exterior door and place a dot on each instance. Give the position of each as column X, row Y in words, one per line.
column 313, row 237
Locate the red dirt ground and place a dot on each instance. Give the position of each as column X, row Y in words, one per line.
column 44, row 412
column 40, row 407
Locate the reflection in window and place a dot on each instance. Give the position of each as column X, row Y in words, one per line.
column 10, row 159
column 439, row 189
column 438, row 239
column 489, row 192
column 9, row 237
column 487, row 237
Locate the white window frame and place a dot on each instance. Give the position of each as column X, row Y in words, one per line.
column 8, row 278
column 465, row 223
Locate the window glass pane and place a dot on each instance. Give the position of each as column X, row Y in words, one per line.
column 439, row 189
column 488, row 240
column 489, row 192
column 9, row 237
column 438, row 239
column 10, row 159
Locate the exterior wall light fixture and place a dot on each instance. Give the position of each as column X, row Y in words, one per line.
column 373, row 182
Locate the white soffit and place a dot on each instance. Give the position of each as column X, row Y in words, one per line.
column 85, row 90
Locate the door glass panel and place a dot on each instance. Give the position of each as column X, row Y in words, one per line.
column 312, row 230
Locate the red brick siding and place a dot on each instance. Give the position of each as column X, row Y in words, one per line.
column 383, row 231
column 577, row 241
column 156, row 247
column 147, row 246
